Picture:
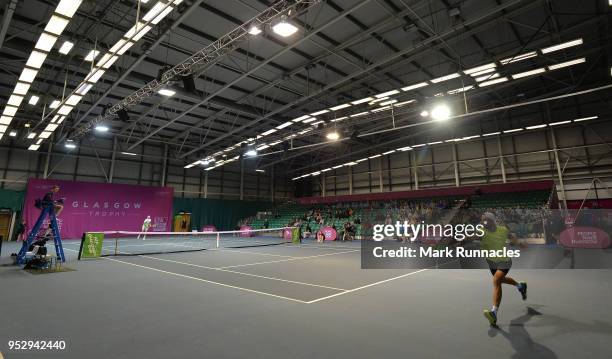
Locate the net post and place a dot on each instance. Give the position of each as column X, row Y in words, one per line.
column 116, row 243
column 218, row 239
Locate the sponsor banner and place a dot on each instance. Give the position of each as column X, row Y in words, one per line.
column 329, row 233
column 97, row 207
column 246, row 231
column 209, row 228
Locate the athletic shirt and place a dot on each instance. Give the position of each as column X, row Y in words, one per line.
column 495, row 241
column 146, row 224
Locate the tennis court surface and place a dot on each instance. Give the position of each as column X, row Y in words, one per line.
column 300, row 301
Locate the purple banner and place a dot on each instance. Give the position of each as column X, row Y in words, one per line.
column 91, row 207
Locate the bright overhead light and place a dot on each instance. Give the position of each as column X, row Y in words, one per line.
column 424, row 113
column 36, row 59
column 446, row 78
column 95, row 75
column 156, row 10
column 270, row 131
column 45, row 134
column 333, row 136
column 69, row 7
column 284, row 28
column 9, row 111
column 131, row 154
column 559, row 123
column 286, row 124
column 480, row 73
column 73, row 100
column 433, row 143
column 586, row 118
column 45, row 42
column 13, row 134
column 340, row 107
column 493, row 82
column 319, row 112
column 528, row 73
column 107, row 61
column 367, row 99
column 254, row 30
column 251, row 153
column 441, row 113
column 15, row 100
column 56, row 25
column 101, row 128
column 121, row 47
column 518, row 58
column 404, row 149
column 492, row 65
column 461, row 89
column 70, row 145
column 567, row 64
column 54, row 104
column 21, row 88
column 137, row 31
column 33, row 147
column 388, row 152
column 260, row 170
column 491, row 134
column 487, row 77
column 66, row 47
column 84, row 89
column 514, row 130
column 28, row 75
column 562, row 46
column 166, row 92
column 387, row 94
column 5, row 120
column 339, row 119
column 65, row 110
column 415, row 86
column 387, row 102
column 309, row 120
column 91, row 55
column 360, row 114
column 536, row 127
column 301, row 118
column 31, row 135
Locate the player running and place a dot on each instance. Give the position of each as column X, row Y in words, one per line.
column 145, row 228
column 495, row 239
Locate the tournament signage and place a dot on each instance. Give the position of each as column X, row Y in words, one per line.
column 91, row 245
column 329, row 233
column 96, row 207
column 584, row 237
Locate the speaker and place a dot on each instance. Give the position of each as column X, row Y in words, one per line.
column 189, row 83
column 123, row 115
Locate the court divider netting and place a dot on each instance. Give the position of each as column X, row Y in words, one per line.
column 129, row 243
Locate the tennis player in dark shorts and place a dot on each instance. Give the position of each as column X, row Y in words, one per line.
column 495, row 239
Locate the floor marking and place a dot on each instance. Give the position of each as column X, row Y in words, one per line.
column 251, row 252
column 287, row 260
column 245, row 274
column 209, row 281
column 322, row 246
column 365, row 286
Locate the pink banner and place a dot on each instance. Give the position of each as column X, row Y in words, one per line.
column 90, row 207
column 209, row 228
column 329, row 233
column 584, row 237
column 246, row 231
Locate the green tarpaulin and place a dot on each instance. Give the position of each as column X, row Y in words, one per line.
column 11, row 199
column 223, row 214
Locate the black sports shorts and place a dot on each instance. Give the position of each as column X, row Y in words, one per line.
column 502, row 266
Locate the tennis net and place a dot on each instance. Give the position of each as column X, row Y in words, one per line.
column 126, row 243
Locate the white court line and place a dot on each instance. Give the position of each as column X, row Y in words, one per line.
column 365, row 286
column 242, row 273
column 208, row 281
column 250, row 252
column 287, row 260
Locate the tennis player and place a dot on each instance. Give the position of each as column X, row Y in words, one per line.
column 145, row 228
column 495, row 238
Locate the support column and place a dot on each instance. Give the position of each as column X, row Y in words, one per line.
column 415, row 170
column 501, row 159
column 111, row 171
column 350, row 179
column 323, row 184
column 205, row 184
column 272, row 184
column 164, row 166
column 558, row 164
column 456, row 166
column 380, row 174
column 241, row 179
